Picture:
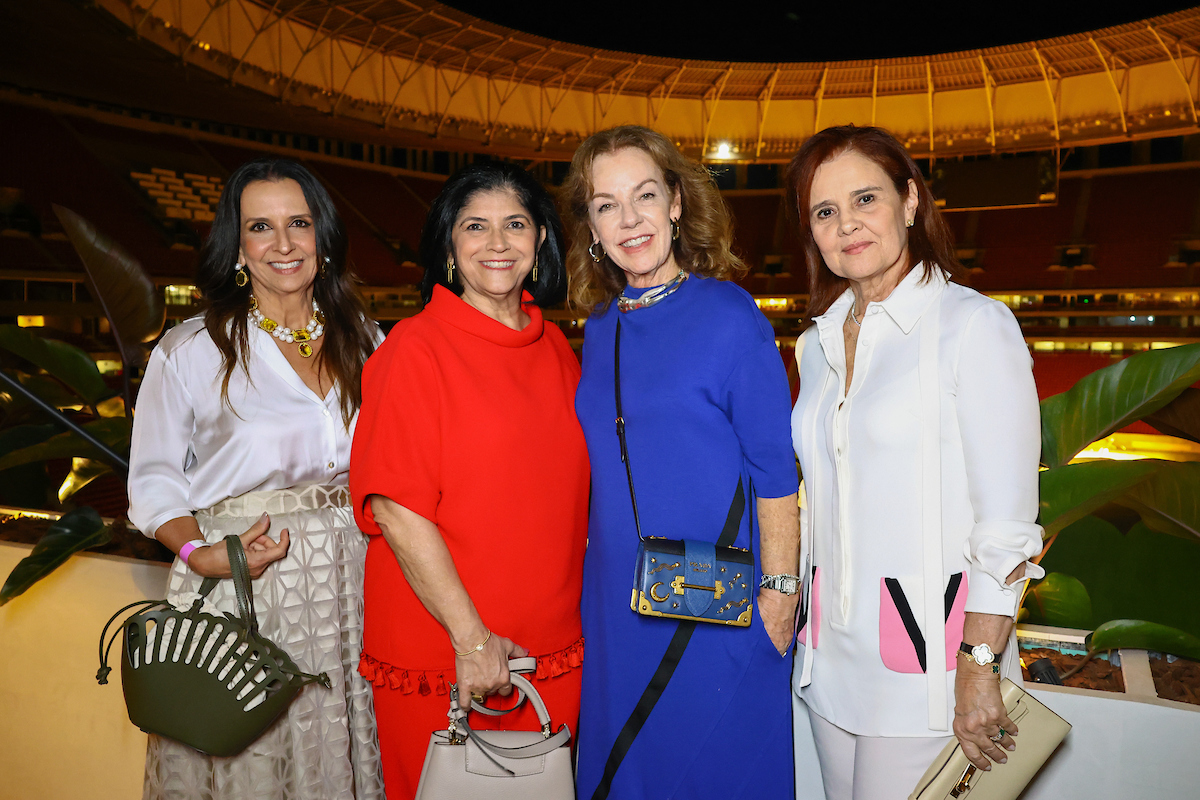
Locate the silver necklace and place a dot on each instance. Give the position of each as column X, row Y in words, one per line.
column 856, row 322
column 655, row 295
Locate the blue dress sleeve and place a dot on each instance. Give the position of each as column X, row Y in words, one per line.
column 759, row 402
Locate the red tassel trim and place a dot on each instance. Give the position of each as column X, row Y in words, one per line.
column 380, row 673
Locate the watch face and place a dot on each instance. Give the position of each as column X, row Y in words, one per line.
column 982, row 654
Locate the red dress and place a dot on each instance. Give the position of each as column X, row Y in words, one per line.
column 471, row 425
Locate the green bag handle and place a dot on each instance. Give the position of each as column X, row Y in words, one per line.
column 240, row 570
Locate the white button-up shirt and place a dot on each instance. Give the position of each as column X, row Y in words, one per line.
column 942, row 385
column 191, row 450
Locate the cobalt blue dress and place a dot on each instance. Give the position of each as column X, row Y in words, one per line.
column 706, row 402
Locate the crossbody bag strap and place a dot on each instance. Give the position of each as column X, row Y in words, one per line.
column 683, row 631
column 637, row 522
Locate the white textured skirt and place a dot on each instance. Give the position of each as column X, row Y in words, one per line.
column 324, row 746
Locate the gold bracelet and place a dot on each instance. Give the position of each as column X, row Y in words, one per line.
column 476, row 648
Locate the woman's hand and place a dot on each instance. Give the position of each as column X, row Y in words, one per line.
column 261, row 550
column 779, row 617
column 484, row 672
column 979, row 715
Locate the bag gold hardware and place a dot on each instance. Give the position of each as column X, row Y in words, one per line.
column 678, row 585
column 964, row 783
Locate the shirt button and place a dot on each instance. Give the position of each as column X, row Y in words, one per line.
column 331, row 465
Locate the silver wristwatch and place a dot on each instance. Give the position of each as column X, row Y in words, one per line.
column 784, row 584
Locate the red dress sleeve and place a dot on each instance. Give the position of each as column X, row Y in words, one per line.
column 396, row 450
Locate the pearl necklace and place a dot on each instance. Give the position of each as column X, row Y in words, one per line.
column 303, row 337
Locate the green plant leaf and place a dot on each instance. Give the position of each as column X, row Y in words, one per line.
column 1071, row 492
column 1169, row 499
column 1180, row 417
column 49, row 390
column 1145, row 636
column 68, row 363
column 113, row 431
column 74, row 531
column 1111, row 398
column 133, row 304
column 83, row 471
column 1061, row 600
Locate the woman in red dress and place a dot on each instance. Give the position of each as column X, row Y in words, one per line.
column 469, row 471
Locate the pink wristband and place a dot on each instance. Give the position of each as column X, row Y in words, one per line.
column 187, row 549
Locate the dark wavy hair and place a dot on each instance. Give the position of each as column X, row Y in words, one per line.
column 436, row 242
column 349, row 337
column 929, row 239
column 705, row 224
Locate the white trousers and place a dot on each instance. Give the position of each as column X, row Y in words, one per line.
column 871, row 767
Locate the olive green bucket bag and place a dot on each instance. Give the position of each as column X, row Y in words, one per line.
column 211, row 682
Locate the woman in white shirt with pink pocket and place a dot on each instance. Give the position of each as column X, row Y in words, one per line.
column 918, row 435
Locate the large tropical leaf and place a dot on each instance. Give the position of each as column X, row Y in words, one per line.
column 1145, row 636
column 1111, row 398
column 1169, row 499
column 83, row 471
column 1180, row 417
column 1069, row 493
column 112, row 431
column 130, row 300
column 68, row 363
column 1060, row 600
column 74, row 531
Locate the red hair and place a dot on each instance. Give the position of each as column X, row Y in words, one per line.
column 929, row 239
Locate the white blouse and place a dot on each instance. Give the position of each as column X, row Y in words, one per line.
column 942, row 385
column 191, row 450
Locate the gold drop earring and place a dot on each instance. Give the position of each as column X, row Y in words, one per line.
column 450, row 270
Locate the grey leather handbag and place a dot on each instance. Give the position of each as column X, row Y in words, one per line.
column 506, row 765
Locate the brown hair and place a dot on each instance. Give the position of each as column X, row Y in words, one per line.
column 705, row 225
column 349, row 336
column 929, row 240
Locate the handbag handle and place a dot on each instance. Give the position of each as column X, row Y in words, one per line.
column 517, row 667
column 240, row 570
column 548, row 744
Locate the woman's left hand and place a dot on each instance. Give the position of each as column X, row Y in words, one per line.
column 979, row 715
column 779, row 617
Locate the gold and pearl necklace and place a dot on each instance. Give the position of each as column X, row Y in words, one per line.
column 303, row 337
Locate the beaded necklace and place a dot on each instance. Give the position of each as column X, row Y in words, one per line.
column 302, row 337
column 655, row 295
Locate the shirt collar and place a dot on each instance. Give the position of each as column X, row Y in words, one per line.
column 904, row 305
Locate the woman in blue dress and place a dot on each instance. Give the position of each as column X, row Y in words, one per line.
column 672, row 708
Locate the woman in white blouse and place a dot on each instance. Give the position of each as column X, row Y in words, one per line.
column 918, row 436
column 243, row 426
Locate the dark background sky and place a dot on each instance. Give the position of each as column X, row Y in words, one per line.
column 779, row 30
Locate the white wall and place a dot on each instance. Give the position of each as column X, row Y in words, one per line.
column 61, row 734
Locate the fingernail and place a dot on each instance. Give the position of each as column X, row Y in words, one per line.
column 988, row 768
column 264, row 516
column 1003, row 760
column 1011, row 747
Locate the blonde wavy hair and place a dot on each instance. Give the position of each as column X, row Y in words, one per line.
column 705, row 225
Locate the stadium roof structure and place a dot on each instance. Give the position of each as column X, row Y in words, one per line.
column 420, row 70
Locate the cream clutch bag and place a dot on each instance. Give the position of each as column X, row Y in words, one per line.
column 951, row 775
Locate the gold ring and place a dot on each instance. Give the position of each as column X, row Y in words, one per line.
column 478, row 698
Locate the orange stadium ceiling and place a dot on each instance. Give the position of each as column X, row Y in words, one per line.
column 415, row 68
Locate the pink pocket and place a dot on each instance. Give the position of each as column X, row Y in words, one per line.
column 901, row 641
column 813, row 614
